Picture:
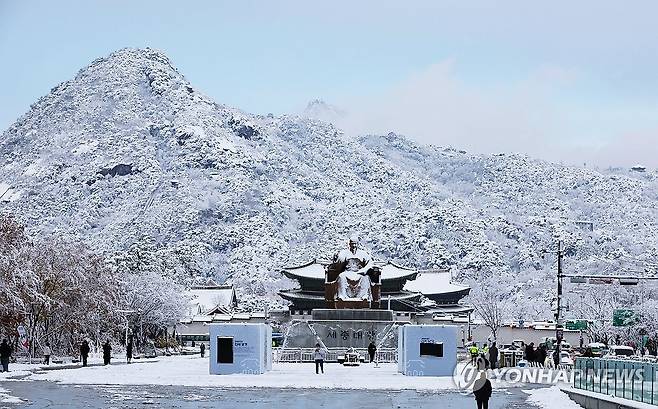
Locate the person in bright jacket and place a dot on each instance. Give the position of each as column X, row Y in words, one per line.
column 318, row 356
column 473, row 350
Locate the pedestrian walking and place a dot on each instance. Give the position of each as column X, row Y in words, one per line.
column 129, row 351
column 203, row 349
column 493, row 355
column 84, row 352
column 46, row 354
column 482, row 391
column 5, row 353
column 318, row 356
column 372, row 350
column 107, row 352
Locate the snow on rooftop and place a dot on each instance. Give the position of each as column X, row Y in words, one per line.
column 316, row 270
column 433, row 283
column 205, row 299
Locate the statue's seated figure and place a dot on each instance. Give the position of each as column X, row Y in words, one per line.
column 352, row 279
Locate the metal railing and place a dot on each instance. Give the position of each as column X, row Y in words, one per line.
column 629, row 379
column 383, row 355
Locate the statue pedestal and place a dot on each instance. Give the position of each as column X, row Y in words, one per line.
column 352, row 315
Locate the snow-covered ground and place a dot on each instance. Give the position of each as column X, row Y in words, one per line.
column 193, row 371
column 6, row 397
column 549, row 398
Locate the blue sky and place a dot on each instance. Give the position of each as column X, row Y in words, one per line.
column 561, row 81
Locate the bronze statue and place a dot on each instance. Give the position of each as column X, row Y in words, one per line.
column 350, row 278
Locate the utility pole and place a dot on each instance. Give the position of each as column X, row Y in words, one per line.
column 559, row 330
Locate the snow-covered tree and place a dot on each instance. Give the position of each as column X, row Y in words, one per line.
column 491, row 306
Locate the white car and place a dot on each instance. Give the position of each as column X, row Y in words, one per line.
column 619, row 351
column 565, row 358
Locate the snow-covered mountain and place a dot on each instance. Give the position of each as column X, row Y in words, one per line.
column 128, row 153
column 322, row 111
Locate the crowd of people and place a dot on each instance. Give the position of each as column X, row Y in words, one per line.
column 485, row 357
column 6, row 351
column 541, row 356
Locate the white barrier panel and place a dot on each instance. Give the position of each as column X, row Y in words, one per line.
column 427, row 350
column 240, row 348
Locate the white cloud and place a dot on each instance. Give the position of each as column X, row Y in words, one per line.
column 435, row 106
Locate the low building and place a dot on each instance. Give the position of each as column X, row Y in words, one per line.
column 208, row 303
column 212, row 298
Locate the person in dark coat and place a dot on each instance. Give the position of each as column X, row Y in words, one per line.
column 129, row 351
column 530, row 352
column 203, row 349
column 84, row 352
column 372, row 349
column 493, row 355
column 5, row 353
column 482, row 391
column 541, row 355
column 107, row 352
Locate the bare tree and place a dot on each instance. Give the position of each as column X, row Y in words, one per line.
column 491, row 307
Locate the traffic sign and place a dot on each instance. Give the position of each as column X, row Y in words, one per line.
column 576, row 325
column 624, row 318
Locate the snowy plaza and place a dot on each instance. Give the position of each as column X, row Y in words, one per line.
column 185, row 379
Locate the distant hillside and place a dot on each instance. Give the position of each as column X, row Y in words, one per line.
column 128, row 153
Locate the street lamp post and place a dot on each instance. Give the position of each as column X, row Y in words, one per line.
column 559, row 328
column 470, row 338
